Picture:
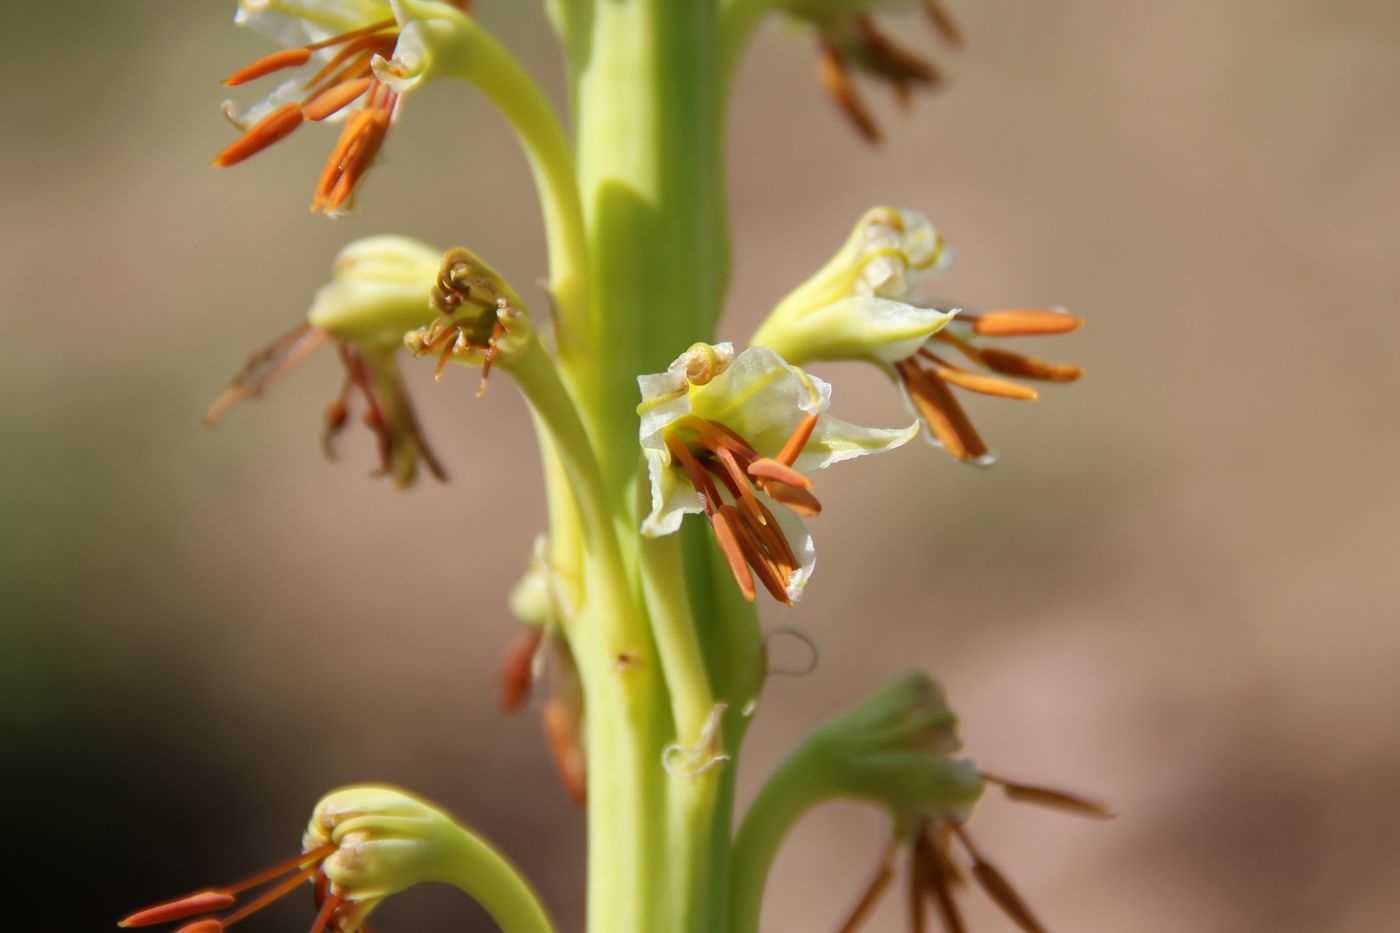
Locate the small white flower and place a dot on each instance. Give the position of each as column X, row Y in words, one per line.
column 750, row 427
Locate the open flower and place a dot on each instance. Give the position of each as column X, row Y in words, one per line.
column 363, row 844
column 379, row 292
column 753, row 426
column 332, row 49
column 848, row 41
column 863, row 305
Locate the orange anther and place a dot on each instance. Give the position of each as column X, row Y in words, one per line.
column 277, row 125
column 1025, row 323
column 203, row 926
column 795, row 498
column 1014, row 364
column 727, row 524
column 768, row 468
column 563, row 734
column 986, row 385
column 179, row 909
column 800, row 436
column 942, row 413
column 517, row 670
column 287, row 58
column 334, row 99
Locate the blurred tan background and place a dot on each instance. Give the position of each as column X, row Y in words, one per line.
column 1178, row 589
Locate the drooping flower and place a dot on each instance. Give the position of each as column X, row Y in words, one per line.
column 848, row 41
column 750, row 427
column 863, row 305
column 901, row 750
column 379, row 291
column 363, row 844
column 332, row 48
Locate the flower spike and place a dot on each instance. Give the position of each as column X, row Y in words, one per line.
column 331, row 58
column 732, row 437
column 863, row 305
column 378, row 292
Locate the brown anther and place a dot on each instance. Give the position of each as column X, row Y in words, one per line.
column 516, row 675
column 835, row 74
column 875, row 892
column 890, row 60
column 919, row 860
column 1054, row 799
column 943, row 23
column 997, row 887
column 334, row 99
column 563, row 730
column 938, row 885
column 942, row 413
column 1014, row 364
column 277, row 125
column 1023, row 323
column 200, row 903
column 287, row 58
column 265, row 367
column 498, row 331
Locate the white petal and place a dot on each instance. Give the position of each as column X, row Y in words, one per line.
column 835, row 440
column 803, row 547
column 672, row 496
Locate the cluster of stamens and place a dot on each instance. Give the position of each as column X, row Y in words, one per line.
column 392, row 433
column 307, row 867
column 475, row 335
column 859, row 42
column 347, row 77
column 744, row 527
column 928, row 376
column 934, row 873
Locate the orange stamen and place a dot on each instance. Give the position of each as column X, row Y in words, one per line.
column 179, row 909
column 561, row 730
column 1023, row 323
column 726, row 523
column 312, row 855
column 272, row 894
column 356, row 163
column 334, row 99
column 773, row 577
column 353, row 34
column 793, row 448
column 377, row 43
column 203, row 926
column 976, row 382
column 497, row 332
column 942, row 413
column 277, row 125
column 794, row 498
column 287, row 58
column 768, row 468
column 709, row 496
column 328, row 909
column 1014, row 364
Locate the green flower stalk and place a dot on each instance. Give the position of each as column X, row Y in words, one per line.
column 678, row 470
